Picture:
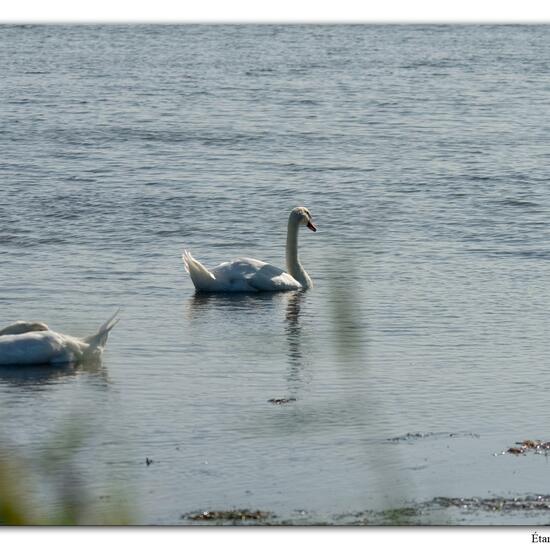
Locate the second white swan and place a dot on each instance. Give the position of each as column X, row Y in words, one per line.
column 34, row 343
column 250, row 275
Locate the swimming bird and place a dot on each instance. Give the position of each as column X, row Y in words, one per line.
column 34, row 343
column 250, row 275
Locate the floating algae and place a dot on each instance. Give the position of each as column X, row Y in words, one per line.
column 535, row 445
column 243, row 515
column 281, row 401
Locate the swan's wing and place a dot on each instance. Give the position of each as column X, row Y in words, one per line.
column 269, row 277
column 32, row 348
column 20, row 327
column 235, row 276
column 250, row 275
column 283, row 281
column 240, row 267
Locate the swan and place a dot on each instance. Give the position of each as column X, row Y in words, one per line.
column 34, row 343
column 249, row 275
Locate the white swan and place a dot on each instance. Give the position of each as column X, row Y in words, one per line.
column 249, row 275
column 33, row 343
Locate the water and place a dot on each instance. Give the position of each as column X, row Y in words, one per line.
column 422, row 152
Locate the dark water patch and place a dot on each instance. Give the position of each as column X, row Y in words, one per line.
column 21, row 241
column 99, row 170
column 305, row 102
column 384, row 103
column 21, row 101
column 174, row 232
column 295, row 167
column 60, row 214
column 434, row 64
column 260, row 71
column 481, row 178
column 235, row 244
column 79, row 179
column 234, row 139
column 7, row 238
column 305, row 68
column 526, row 254
column 115, row 133
column 517, row 202
column 415, row 436
column 534, row 255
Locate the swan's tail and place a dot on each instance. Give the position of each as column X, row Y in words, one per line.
column 97, row 341
column 201, row 277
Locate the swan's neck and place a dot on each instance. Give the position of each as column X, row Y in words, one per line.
column 292, row 263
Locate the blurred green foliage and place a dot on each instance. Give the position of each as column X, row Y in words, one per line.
column 51, row 490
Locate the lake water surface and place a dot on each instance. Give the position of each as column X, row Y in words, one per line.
column 422, row 152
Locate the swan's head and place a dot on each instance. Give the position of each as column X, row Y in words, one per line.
column 302, row 216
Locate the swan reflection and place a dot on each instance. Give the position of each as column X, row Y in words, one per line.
column 230, row 302
column 294, row 338
column 37, row 376
column 282, row 318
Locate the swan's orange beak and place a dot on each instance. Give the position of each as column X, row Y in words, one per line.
column 311, row 226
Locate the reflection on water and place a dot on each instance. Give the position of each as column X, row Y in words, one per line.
column 276, row 312
column 293, row 331
column 230, row 302
column 34, row 377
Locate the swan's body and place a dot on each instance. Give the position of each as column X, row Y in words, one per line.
column 250, row 275
column 240, row 275
column 25, row 343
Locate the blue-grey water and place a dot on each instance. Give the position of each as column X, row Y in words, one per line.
column 423, row 153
